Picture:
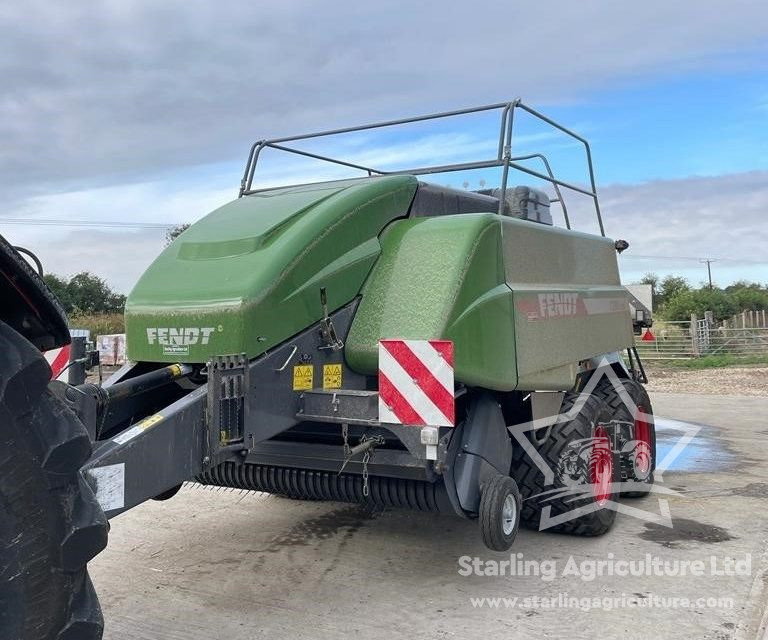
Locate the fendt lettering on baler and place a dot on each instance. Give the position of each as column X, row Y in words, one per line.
column 384, row 340
column 167, row 336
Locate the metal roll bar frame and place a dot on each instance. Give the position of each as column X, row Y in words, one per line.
column 504, row 157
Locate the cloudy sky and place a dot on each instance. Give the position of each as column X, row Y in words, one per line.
column 129, row 112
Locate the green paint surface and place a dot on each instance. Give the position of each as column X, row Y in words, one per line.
column 523, row 302
column 247, row 276
column 441, row 278
column 488, row 283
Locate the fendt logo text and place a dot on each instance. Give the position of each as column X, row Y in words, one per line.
column 179, row 337
column 558, row 305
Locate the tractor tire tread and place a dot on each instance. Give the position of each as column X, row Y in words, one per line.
column 52, row 524
column 530, row 479
column 606, row 389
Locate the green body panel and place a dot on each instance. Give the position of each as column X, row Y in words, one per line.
column 247, row 276
column 523, row 302
column 441, row 278
column 569, row 301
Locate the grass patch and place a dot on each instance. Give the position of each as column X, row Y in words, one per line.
column 714, row 362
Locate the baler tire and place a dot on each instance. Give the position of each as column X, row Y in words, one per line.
column 640, row 480
column 50, row 522
column 536, row 494
column 493, row 518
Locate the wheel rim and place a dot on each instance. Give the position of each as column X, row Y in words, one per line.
column 642, row 443
column 509, row 515
column 601, row 466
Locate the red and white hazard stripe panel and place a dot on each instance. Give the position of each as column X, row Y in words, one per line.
column 416, row 382
column 57, row 360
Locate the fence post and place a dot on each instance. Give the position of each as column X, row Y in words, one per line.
column 763, row 323
column 694, row 336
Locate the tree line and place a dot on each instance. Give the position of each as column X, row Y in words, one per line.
column 85, row 294
column 675, row 299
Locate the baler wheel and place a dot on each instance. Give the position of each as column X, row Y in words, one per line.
column 638, row 436
column 50, row 522
column 580, row 456
column 499, row 516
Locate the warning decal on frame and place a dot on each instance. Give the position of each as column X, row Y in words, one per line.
column 302, row 377
column 110, row 485
column 332, row 376
column 138, row 429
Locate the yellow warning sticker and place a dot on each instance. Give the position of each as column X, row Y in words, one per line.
column 138, row 429
column 332, row 376
column 302, row 377
column 146, row 423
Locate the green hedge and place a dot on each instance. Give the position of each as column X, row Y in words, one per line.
column 99, row 324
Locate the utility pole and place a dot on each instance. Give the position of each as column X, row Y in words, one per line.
column 709, row 262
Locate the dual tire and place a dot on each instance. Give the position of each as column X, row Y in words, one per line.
column 604, row 450
column 631, row 411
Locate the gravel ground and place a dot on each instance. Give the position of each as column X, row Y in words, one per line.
column 247, row 566
column 723, row 381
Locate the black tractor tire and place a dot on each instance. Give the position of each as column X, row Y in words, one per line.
column 567, row 494
column 499, row 513
column 637, row 451
column 50, row 522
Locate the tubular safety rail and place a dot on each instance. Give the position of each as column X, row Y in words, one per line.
column 504, row 157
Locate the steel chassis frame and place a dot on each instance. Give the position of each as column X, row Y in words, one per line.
column 504, row 157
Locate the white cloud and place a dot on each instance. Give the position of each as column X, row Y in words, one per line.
column 110, row 91
column 100, row 101
column 687, row 220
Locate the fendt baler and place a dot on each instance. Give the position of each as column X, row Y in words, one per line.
column 380, row 340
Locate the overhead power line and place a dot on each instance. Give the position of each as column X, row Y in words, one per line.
column 47, row 222
column 647, row 257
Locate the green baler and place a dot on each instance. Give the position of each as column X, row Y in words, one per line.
column 381, row 340
column 274, row 311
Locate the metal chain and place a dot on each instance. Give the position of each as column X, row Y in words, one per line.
column 347, row 448
column 378, row 440
column 366, row 458
column 345, row 435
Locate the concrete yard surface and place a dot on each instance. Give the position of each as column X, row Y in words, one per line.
column 241, row 565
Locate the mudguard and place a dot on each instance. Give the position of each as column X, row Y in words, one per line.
column 481, row 448
column 29, row 307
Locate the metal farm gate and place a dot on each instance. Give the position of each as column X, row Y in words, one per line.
column 744, row 334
